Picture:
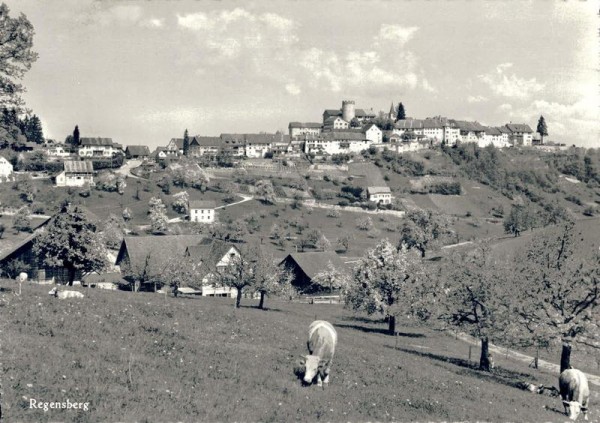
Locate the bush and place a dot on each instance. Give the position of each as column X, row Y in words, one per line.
column 333, row 213
column 343, row 203
column 589, row 211
column 445, row 188
column 574, row 199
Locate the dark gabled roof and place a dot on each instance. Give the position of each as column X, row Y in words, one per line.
column 138, row 150
column 379, row 190
column 409, row 124
column 202, row 141
column 260, row 138
column 437, row 122
column 159, row 249
column 332, row 119
column 332, row 112
column 97, row 141
column 503, row 129
column 315, row 125
column 178, row 142
column 254, row 138
column 469, row 126
column 202, row 204
column 369, row 126
column 492, row 131
column 518, row 127
column 313, row 263
column 83, row 166
column 209, row 253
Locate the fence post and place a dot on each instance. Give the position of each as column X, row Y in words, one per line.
column 470, row 348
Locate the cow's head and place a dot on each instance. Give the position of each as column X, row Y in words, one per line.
column 312, row 365
column 572, row 409
column 53, row 291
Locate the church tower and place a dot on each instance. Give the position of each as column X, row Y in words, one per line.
column 392, row 114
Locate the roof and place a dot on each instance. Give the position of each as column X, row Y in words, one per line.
column 157, row 248
column 138, row 150
column 206, row 141
column 409, row 124
column 3, row 160
column 332, row 112
column 437, row 122
column 503, row 129
column 469, row 126
column 305, row 125
column 332, row 119
column 492, row 131
column 313, row 263
column 79, row 166
column 178, row 142
column 209, row 253
column 344, row 136
column 364, row 113
column 255, row 138
column 202, row 204
column 518, row 127
column 369, row 126
column 379, row 190
column 97, row 141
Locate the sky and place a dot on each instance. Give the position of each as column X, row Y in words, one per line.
column 141, row 72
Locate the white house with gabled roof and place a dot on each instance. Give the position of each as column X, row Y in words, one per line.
column 202, row 211
column 6, row 168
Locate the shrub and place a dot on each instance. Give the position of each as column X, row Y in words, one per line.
column 333, row 213
column 574, row 199
column 589, row 211
column 343, row 203
column 445, row 188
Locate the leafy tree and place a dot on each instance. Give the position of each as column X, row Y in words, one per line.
column 113, row 230
column 265, row 191
column 127, row 214
column 22, row 220
column 558, row 292
column 186, row 143
column 519, row 219
column 384, row 282
column 355, row 123
column 344, row 242
column 401, row 114
column 421, row 229
column 276, row 232
column 239, row 274
column 179, row 271
column 471, row 294
column 331, row 278
column 158, row 216
column 268, row 279
column 323, row 243
column 16, row 56
column 542, row 129
column 237, row 231
column 364, row 223
column 71, row 241
column 76, row 140
column 32, row 129
column 146, row 271
column 14, row 267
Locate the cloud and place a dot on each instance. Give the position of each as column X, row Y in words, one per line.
column 396, row 33
column 510, row 86
column 266, row 46
column 121, row 14
column 476, row 99
column 153, row 23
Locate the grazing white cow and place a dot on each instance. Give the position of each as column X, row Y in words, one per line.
column 22, row 277
column 65, row 294
column 575, row 393
column 322, row 339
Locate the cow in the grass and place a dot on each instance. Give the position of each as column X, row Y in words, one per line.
column 575, row 393
column 65, row 294
column 322, row 339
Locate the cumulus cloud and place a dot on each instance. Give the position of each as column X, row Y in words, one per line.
column 267, row 46
column 400, row 35
column 476, row 99
column 120, row 14
column 510, row 86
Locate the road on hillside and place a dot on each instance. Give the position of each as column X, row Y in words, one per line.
column 125, row 170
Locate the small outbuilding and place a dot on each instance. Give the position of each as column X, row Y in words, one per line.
column 137, row 152
column 76, row 174
column 306, row 266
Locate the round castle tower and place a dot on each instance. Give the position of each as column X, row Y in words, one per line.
column 348, row 112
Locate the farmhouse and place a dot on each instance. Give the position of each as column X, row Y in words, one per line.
column 76, row 174
column 174, row 147
column 205, row 146
column 6, row 168
column 99, row 147
column 212, row 255
column 306, row 266
column 381, row 195
column 520, row 134
column 336, row 142
column 58, row 150
column 137, row 152
column 202, row 211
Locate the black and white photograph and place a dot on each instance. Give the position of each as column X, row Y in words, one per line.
column 299, row 211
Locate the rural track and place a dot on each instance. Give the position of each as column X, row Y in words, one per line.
column 546, row 365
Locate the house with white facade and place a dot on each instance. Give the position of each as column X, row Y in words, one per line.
column 337, row 142
column 202, row 211
column 373, row 133
column 335, row 123
column 98, row 147
column 6, row 168
column 234, row 144
column 302, row 128
column 521, row 135
column 213, row 256
column 493, row 136
column 58, row 150
column 469, row 131
column 414, row 126
column 174, row 147
column 205, row 146
column 381, row 195
column 76, row 174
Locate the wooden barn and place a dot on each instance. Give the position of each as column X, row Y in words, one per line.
column 306, row 266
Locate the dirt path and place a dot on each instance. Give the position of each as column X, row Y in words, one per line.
column 245, row 198
column 555, row 368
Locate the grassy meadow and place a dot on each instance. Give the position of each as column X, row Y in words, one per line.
column 147, row 357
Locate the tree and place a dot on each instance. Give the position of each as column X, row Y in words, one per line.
column 16, row 56
column 75, row 140
column 158, row 216
column 14, row 267
column 355, row 123
column 186, row 143
column 331, row 278
column 519, row 219
column 344, row 242
column 384, row 282
column 558, row 292
column 22, row 220
column 179, row 271
column 364, row 223
column 422, row 228
column 113, row 230
column 268, row 279
column 472, row 294
column 265, row 191
column 33, row 130
column 238, row 274
column 401, row 115
column 542, row 129
column 71, row 241
column 145, row 271
column 323, row 243
column 2, row 229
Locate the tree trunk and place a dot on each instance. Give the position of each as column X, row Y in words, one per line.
column 392, row 325
column 238, row 298
column 261, row 304
column 71, row 276
column 485, row 362
column 565, row 357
